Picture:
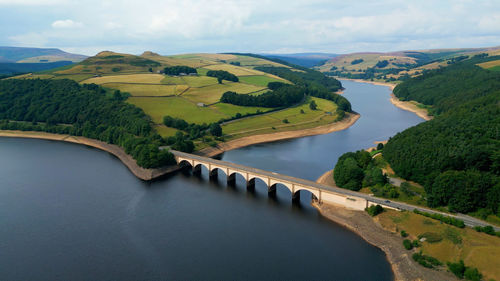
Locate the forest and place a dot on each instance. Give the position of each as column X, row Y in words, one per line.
column 455, row 156
column 65, row 107
column 314, row 83
column 222, row 75
column 178, row 69
column 282, row 96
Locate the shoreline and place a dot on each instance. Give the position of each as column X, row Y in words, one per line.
column 408, row 106
column 404, row 105
column 118, row 152
column 360, row 223
column 343, row 124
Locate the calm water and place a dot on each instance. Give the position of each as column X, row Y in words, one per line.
column 69, row 212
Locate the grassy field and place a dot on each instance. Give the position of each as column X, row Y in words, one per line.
column 236, row 70
column 476, row 249
column 297, row 120
column 213, row 93
column 259, row 80
column 141, row 90
column 165, row 131
column 199, row 81
column 130, row 78
column 491, row 65
column 231, row 110
column 177, row 107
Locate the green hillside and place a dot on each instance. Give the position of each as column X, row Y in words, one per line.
column 190, row 93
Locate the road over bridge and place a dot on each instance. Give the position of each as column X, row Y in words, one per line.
column 321, row 193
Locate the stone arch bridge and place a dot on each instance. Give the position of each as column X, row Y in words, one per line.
column 320, row 193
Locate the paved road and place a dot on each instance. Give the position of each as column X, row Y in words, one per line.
column 469, row 221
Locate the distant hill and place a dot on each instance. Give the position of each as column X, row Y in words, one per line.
column 303, row 59
column 399, row 65
column 14, row 68
column 36, row 55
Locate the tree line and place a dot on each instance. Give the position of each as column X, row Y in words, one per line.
column 282, row 96
column 222, row 75
column 178, row 69
column 65, row 107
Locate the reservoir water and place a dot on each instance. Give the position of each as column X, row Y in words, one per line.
column 69, row 212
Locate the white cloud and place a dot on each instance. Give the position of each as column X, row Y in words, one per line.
column 32, row 2
column 172, row 26
column 66, row 24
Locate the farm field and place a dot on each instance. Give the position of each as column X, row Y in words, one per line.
column 231, row 110
column 213, row 93
column 492, row 65
column 259, row 80
column 297, row 120
column 145, row 90
column 129, row 78
column 236, row 70
column 474, row 248
column 177, row 107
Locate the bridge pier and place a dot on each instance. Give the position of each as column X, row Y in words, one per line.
column 251, row 184
column 271, row 191
column 296, row 197
column 231, row 179
column 197, row 170
column 214, row 175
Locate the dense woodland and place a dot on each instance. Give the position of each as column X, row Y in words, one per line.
column 313, row 83
column 222, row 75
column 65, row 107
column 282, row 96
column 456, row 156
column 178, row 69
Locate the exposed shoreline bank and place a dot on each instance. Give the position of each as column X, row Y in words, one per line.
column 127, row 160
column 345, row 123
column 151, row 174
column 359, row 222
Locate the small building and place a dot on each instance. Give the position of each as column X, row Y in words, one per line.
column 193, row 74
column 182, row 74
column 200, row 104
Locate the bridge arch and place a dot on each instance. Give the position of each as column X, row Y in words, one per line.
column 314, row 192
column 185, row 163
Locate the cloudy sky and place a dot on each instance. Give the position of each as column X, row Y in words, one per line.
column 185, row 26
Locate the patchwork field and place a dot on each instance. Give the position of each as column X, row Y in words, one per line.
column 324, row 114
column 213, row 93
column 475, row 249
column 177, row 107
column 130, row 78
column 236, row 70
column 259, row 80
column 193, row 98
column 147, row 90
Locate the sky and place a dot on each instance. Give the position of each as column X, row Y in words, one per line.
column 258, row 26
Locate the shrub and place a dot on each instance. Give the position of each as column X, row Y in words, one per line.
column 471, row 273
column 286, row 121
column 407, row 244
column 374, row 210
column 404, row 234
column 426, row 261
column 457, row 268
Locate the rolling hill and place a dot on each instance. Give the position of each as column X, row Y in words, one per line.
column 196, row 99
column 399, row 65
column 36, row 55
